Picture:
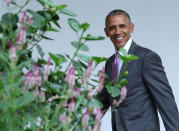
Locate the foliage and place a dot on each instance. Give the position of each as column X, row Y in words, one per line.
column 35, row 96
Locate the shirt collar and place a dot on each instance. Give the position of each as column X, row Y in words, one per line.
column 127, row 46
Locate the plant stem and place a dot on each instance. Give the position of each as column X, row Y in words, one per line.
column 79, row 40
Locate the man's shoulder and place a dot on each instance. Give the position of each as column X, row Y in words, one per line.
column 142, row 51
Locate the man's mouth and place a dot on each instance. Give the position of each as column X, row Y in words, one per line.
column 119, row 38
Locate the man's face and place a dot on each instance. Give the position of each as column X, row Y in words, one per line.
column 119, row 30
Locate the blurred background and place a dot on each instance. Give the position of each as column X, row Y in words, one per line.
column 156, row 27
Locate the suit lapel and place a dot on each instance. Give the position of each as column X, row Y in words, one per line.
column 132, row 50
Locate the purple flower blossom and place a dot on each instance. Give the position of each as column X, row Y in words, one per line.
column 89, row 69
column 72, row 104
column 24, row 17
column 85, row 118
column 101, row 80
column 70, row 77
column 42, row 95
column 62, row 117
column 21, row 36
column 47, row 70
column 37, row 75
column 8, row 2
column 12, row 51
column 76, row 91
column 31, row 20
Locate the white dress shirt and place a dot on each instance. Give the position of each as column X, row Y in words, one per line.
column 126, row 47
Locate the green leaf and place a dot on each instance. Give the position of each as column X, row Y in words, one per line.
column 123, row 82
column 99, row 59
column 90, row 37
column 67, row 12
column 60, row 7
column 57, row 24
column 95, row 103
column 13, row 2
column 133, row 57
column 76, row 45
column 56, row 87
column 83, row 64
column 85, row 26
column 3, row 59
column 84, row 57
column 47, row 38
column 52, row 29
column 9, row 19
column 39, row 20
column 113, row 90
column 46, row 2
column 76, row 64
column 40, row 51
column 58, row 58
column 23, row 101
column 41, row 62
column 74, row 24
column 124, row 52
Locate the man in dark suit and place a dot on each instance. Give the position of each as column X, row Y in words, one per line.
column 148, row 90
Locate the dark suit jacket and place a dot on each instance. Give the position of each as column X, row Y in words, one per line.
column 148, row 91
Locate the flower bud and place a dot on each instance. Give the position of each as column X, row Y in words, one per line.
column 47, row 70
column 89, row 69
column 72, row 104
column 70, row 77
column 31, row 20
column 12, row 51
column 85, row 118
column 101, row 80
column 24, row 17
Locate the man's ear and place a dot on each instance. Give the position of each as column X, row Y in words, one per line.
column 131, row 28
column 106, row 32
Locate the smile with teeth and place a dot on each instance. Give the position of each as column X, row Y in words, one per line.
column 120, row 38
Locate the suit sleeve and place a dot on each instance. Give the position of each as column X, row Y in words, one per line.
column 160, row 90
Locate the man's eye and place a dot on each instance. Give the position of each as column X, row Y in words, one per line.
column 111, row 28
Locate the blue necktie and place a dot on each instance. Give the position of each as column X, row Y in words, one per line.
column 115, row 67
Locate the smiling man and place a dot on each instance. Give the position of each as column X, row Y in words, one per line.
column 148, row 90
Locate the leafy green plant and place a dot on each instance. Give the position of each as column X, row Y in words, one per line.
column 39, row 95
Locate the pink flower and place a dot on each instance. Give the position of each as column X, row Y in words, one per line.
column 21, row 36
column 97, row 126
column 31, row 20
column 37, row 75
column 70, row 77
column 24, row 17
column 72, row 104
column 68, row 120
column 62, row 117
column 89, row 128
column 64, row 104
column 30, row 79
column 101, row 80
column 47, row 70
column 98, row 113
column 76, row 91
column 89, row 69
column 85, row 118
column 42, row 95
column 123, row 93
column 8, row 2
column 12, row 51
column 90, row 94
column 122, row 97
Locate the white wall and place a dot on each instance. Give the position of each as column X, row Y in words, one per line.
column 156, row 27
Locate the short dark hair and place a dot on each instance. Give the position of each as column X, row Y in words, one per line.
column 117, row 12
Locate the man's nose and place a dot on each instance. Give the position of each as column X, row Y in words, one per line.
column 118, row 30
